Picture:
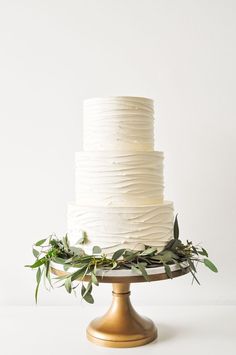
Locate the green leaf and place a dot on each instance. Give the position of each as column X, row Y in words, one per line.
column 35, row 252
column 88, row 298
column 66, row 267
column 95, row 268
column 176, row 228
column 79, row 273
column 194, row 250
column 86, row 293
column 194, row 276
column 157, row 258
column 168, row 271
column 36, row 293
column 67, row 284
column 38, row 279
column 65, row 242
column 191, row 264
column 170, row 244
column 94, row 279
column 203, row 252
column 77, row 251
column 135, row 269
column 114, row 264
column 210, row 265
column 97, row 250
column 83, row 290
column 117, row 254
column 37, row 263
column 84, row 239
column 58, row 260
column 40, row 242
column 168, row 256
column 177, row 244
column 143, row 271
column 149, row 251
column 129, row 256
column 48, row 275
column 86, row 290
column 38, row 275
column 47, row 265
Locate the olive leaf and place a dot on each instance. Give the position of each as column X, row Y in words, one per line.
column 35, row 253
column 176, row 228
column 40, row 242
column 68, row 285
column 58, row 260
column 168, row 255
column 86, row 293
column 191, row 264
column 210, row 265
column 97, row 250
column 38, row 279
column 37, row 263
column 77, row 251
column 117, row 254
column 75, row 275
column 168, row 271
column 149, row 251
column 135, row 269
column 195, row 251
column 194, row 276
column 65, row 242
column 84, row 239
column 88, row 298
column 203, row 252
column 94, row 279
column 141, row 267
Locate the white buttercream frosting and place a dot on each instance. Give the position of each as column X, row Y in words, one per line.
column 119, row 178
column 118, row 123
column 113, row 228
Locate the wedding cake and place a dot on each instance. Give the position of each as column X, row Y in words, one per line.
column 119, row 178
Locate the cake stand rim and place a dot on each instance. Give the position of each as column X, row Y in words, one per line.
column 119, row 276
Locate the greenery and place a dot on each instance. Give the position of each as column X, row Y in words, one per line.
column 59, row 251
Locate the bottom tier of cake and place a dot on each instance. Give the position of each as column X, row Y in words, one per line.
column 113, row 228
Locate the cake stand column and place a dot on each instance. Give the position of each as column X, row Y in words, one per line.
column 121, row 326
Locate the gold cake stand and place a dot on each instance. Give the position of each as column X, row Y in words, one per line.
column 121, row 326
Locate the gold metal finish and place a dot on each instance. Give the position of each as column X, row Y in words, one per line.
column 121, row 326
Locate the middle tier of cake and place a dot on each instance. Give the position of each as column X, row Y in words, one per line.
column 119, row 179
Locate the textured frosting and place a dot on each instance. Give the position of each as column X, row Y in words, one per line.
column 118, row 123
column 122, row 227
column 119, row 179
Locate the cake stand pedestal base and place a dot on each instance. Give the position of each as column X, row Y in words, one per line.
column 121, row 326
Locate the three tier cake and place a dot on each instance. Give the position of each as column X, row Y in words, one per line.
column 119, row 178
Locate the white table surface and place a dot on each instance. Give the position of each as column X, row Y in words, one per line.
column 37, row 330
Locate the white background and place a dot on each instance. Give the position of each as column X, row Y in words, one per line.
column 54, row 54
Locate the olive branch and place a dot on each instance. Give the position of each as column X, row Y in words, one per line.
column 53, row 249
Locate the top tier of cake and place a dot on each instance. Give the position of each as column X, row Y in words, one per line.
column 120, row 123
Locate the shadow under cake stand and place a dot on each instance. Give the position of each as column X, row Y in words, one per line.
column 121, row 326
